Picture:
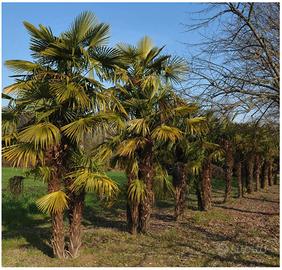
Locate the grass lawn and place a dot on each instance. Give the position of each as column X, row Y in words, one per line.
column 242, row 232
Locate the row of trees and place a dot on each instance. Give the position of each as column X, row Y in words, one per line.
column 60, row 99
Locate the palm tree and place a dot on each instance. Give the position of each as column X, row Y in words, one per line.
column 63, row 106
column 239, row 147
column 183, row 160
column 207, row 153
column 227, row 134
column 149, row 101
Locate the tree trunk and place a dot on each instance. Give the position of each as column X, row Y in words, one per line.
column 239, row 179
column 270, row 172
column 244, row 178
column 228, row 169
column 132, row 209
column 264, row 182
column 75, row 218
column 146, row 170
column 250, row 177
column 53, row 161
column 199, row 196
column 206, row 185
column 276, row 174
column 257, row 172
column 180, row 185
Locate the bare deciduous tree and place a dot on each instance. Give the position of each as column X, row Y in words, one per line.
column 237, row 66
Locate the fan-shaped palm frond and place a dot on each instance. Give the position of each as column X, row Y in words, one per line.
column 197, row 125
column 175, row 69
column 184, row 110
column 55, row 202
column 138, row 126
column 195, row 166
column 144, row 46
column 40, row 38
column 23, row 154
column 97, row 182
column 129, row 146
column 103, row 152
column 162, row 185
column 71, row 92
column 8, row 139
column 76, row 130
column 136, row 191
column 166, row 133
column 41, row 135
column 81, row 26
column 22, row 66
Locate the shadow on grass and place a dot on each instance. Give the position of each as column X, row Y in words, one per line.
column 262, row 200
column 247, row 211
column 18, row 223
column 233, row 239
column 163, row 217
column 91, row 218
column 223, row 258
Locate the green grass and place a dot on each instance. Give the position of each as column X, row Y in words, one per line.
column 26, row 233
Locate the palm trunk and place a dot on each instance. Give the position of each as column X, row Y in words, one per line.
column 228, row 169
column 239, row 179
column 244, row 178
column 147, row 175
column 257, row 172
column 75, row 218
column 199, row 197
column 54, row 184
column 206, row 185
column 132, row 210
column 180, row 185
column 270, row 172
column 250, row 178
column 264, row 182
column 276, row 174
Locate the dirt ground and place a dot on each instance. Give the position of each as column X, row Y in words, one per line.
column 242, row 232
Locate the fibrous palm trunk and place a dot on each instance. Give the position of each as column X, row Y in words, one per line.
column 264, row 182
column 180, row 185
column 132, row 209
column 276, row 174
column 270, row 172
column 244, row 178
column 146, row 170
column 206, row 185
column 250, row 177
column 199, row 197
column 53, row 161
column 228, row 169
column 239, row 178
column 75, row 218
column 257, row 172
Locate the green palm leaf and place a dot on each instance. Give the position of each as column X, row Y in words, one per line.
column 21, row 66
column 23, row 154
column 55, row 202
column 128, row 147
column 96, row 182
column 42, row 135
column 136, row 191
column 166, row 133
column 138, row 126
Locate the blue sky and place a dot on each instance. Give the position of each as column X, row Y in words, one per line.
column 129, row 22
